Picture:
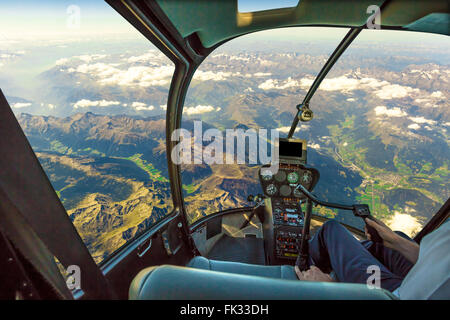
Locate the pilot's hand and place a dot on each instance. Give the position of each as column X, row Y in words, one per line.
column 313, row 274
column 408, row 248
column 390, row 238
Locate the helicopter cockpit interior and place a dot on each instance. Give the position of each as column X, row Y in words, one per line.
column 232, row 253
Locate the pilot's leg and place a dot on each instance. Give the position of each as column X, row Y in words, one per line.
column 334, row 248
column 392, row 259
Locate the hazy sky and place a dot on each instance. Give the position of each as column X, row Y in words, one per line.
column 258, row 5
column 47, row 18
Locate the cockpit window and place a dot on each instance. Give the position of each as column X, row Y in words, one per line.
column 380, row 129
column 388, row 97
column 91, row 99
column 250, row 83
column 260, row 5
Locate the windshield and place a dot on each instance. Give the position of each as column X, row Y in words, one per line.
column 90, row 94
column 379, row 134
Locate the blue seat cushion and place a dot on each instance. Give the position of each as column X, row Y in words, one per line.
column 277, row 272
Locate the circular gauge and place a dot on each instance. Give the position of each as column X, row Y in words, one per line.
column 298, row 193
column 285, row 190
column 280, row 176
column 306, row 178
column 292, row 177
column 266, row 175
column 271, row 189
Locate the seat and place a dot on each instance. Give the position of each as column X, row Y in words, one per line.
column 182, row 283
column 277, row 272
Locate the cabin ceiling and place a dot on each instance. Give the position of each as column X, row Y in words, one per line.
column 215, row 21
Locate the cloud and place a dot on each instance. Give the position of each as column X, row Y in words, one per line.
column 143, row 76
column 262, row 74
column 140, row 106
column 147, row 57
column 19, row 105
column 430, row 100
column 279, row 85
column 286, row 129
column 383, row 89
column 265, row 62
column 314, row 146
column 299, row 127
column 219, row 55
column 393, row 91
column 215, row 76
column 88, row 58
column 422, row 120
column 414, row 126
column 139, row 76
column 239, row 58
column 97, row 69
column 88, row 103
column 85, row 58
column 345, row 83
column 342, row 83
column 405, row 222
column 394, row 112
column 437, row 94
column 199, row 109
column 154, row 70
column 11, row 55
column 6, row 57
column 222, row 76
column 149, row 108
column 421, row 100
column 231, row 57
column 61, row 62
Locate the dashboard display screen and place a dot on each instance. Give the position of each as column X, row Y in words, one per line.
column 291, row 148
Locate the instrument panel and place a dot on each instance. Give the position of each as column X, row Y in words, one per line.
column 287, row 216
column 283, row 183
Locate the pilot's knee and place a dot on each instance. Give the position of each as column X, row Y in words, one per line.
column 331, row 225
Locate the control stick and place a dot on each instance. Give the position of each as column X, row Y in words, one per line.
column 362, row 211
column 359, row 210
column 303, row 256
